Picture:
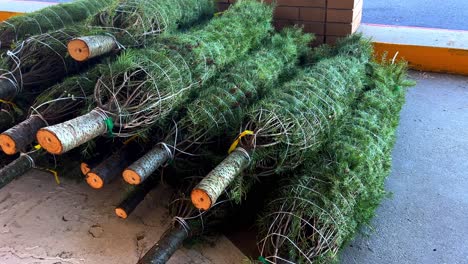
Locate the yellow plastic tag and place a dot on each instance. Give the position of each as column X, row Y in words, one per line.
column 37, row 147
column 238, row 139
column 130, row 139
column 8, row 103
column 57, row 180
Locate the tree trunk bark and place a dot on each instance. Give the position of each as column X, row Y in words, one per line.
column 162, row 251
column 6, row 120
column 7, row 89
column 7, row 38
column 140, row 170
column 66, row 136
column 85, row 48
column 135, row 197
column 112, row 167
column 20, row 136
column 18, row 167
column 205, row 194
column 88, row 165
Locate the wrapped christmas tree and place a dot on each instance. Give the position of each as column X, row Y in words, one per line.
column 57, row 104
column 143, row 87
column 47, row 19
column 282, row 130
column 36, row 64
column 134, row 23
column 220, row 105
column 319, row 209
column 42, row 60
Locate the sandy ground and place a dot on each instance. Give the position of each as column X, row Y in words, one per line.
column 45, row 223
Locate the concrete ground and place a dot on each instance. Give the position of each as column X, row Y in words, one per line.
column 426, row 220
column 45, row 223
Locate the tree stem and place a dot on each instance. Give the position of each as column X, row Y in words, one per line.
column 85, row 48
column 6, row 120
column 66, row 136
column 140, row 170
column 112, row 167
column 205, row 194
column 7, row 89
column 18, row 167
column 135, row 197
column 162, row 251
column 20, row 136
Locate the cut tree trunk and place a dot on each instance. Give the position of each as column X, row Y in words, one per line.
column 101, row 152
column 135, row 197
column 19, row 167
column 66, row 136
column 7, row 89
column 169, row 243
column 85, row 48
column 112, row 167
column 87, row 166
column 205, row 194
column 140, row 170
column 20, row 136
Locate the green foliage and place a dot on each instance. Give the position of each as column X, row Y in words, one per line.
column 220, row 105
column 144, row 86
column 47, row 19
column 40, row 62
column 292, row 122
column 64, row 100
column 136, row 22
column 338, row 190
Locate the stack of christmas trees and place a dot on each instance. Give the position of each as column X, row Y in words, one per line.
column 140, row 87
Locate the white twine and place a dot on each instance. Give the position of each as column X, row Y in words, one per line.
column 119, row 45
column 31, row 160
column 184, row 224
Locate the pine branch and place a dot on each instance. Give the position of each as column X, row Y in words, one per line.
column 47, row 19
column 290, row 124
column 318, row 210
column 220, row 104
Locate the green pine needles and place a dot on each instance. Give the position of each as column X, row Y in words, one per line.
column 293, row 121
column 321, row 208
column 143, row 86
column 290, row 124
column 36, row 64
column 41, row 61
column 220, row 103
column 220, row 106
column 135, row 23
column 159, row 78
column 47, row 19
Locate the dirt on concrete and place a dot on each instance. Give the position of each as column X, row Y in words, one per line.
column 46, row 223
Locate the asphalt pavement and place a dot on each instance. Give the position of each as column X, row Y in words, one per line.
column 446, row 14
